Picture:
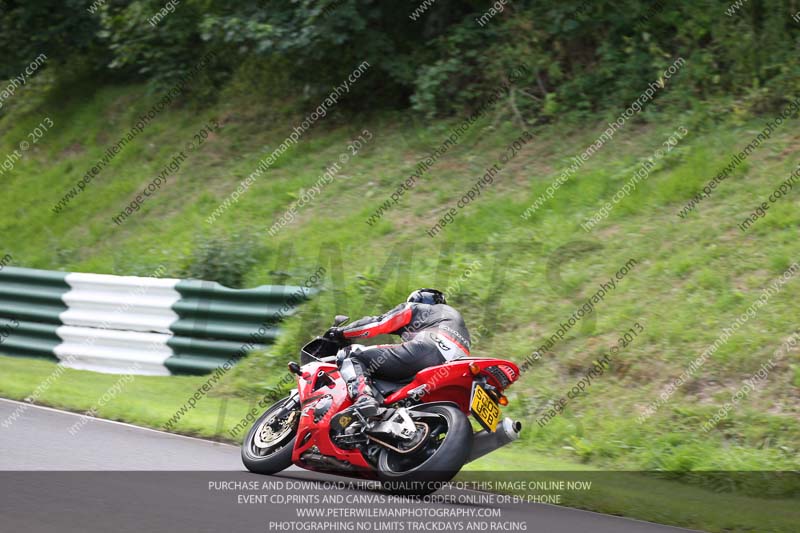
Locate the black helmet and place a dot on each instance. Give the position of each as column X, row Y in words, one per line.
column 427, row 296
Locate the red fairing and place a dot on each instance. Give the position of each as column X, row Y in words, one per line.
column 312, row 434
column 385, row 324
column 449, row 382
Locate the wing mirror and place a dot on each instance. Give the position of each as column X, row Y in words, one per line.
column 339, row 320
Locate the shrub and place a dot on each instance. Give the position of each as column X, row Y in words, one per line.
column 226, row 259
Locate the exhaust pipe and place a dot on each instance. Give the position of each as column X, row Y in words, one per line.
column 484, row 442
column 326, row 462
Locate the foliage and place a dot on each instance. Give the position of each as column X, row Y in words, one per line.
column 59, row 29
column 582, row 57
column 225, row 259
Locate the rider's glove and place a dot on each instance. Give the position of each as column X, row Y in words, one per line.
column 335, row 334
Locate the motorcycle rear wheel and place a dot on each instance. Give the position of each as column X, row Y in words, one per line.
column 449, row 443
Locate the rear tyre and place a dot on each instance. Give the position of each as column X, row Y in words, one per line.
column 447, row 448
column 267, row 447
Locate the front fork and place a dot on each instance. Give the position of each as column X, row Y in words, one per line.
column 289, row 404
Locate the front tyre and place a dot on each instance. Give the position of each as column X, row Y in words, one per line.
column 447, row 447
column 267, row 447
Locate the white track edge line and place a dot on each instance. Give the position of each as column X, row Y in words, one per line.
column 61, row 411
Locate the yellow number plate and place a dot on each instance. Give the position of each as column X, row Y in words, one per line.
column 485, row 409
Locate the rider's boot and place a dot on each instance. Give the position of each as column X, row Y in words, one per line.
column 360, row 389
column 363, row 395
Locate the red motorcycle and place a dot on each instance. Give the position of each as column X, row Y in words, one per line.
column 424, row 433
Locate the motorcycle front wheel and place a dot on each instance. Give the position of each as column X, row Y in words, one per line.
column 267, row 447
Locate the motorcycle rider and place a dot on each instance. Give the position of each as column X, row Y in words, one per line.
column 432, row 333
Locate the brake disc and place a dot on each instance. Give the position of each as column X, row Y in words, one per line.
column 267, row 435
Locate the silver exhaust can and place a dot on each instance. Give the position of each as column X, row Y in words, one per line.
column 484, row 442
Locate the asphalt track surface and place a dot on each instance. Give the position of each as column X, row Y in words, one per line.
column 111, row 476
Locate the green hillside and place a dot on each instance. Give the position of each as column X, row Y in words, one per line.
column 515, row 280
